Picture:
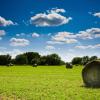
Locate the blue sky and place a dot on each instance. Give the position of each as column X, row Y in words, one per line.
column 67, row 27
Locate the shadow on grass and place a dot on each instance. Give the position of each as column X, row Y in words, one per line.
column 90, row 87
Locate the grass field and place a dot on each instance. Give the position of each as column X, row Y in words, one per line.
column 44, row 83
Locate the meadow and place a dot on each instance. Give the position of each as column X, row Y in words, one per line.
column 44, row 83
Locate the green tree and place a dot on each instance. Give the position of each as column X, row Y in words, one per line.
column 77, row 60
column 53, row 59
column 43, row 60
column 5, row 59
column 32, row 55
column 93, row 58
column 21, row 59
column 85, row 60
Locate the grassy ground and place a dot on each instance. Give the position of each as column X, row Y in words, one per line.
column 44, row 83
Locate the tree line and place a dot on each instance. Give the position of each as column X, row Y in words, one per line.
column 31, row 58
column 83, row 60
column 34, row 58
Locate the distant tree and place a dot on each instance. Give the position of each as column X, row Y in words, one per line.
column 53, row 59
column 5, row 59
column 43, row 60
column 93, row 58
column 85, row 60
column 21, row 59
column 62, row 62
column 32, row 55
column 77, row 60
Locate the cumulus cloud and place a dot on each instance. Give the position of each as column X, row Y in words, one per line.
column 19, row 42
column 35, row 35
column 49, row 47
column 97, row 35
column 70, row 41
column 2, row 33
column 68, row 37
column 88, row 46
column 4, row 22
column 97, row 14
column 89, row 33
column 52, row 18
column 64, row 37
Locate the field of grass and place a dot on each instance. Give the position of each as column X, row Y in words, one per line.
column 44, row 83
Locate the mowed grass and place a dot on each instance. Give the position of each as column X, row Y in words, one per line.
column 44, row 83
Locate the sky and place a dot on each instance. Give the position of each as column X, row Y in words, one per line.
column 69, row 28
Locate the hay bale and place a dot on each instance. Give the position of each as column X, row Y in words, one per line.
column 34, row 65
column 10, row 64
column 91, row 74
column 69, row 65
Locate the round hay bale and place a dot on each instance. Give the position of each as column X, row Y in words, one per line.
column 10, row 64
column 34, row 65
column 91, row 74
column 69, row 65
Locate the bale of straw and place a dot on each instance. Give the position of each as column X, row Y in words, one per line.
column 91, row 74
column 69, row 65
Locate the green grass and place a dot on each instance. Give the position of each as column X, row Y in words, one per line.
column 44, row 83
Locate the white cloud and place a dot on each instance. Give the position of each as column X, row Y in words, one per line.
column 21, row 34
column 2, row 32
column 13, row 52
column 88, row 46
column 70, row 41
column 4, row 22
column 35, row 35
column 68, row 37
column 57, row 10
column 89, row 33
column 52, row 18
column 49, row 47
column 97, row 14
column 64, row 37
column 19, row 42
column 97, row 35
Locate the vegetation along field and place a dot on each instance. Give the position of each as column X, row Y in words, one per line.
column 44, row 83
